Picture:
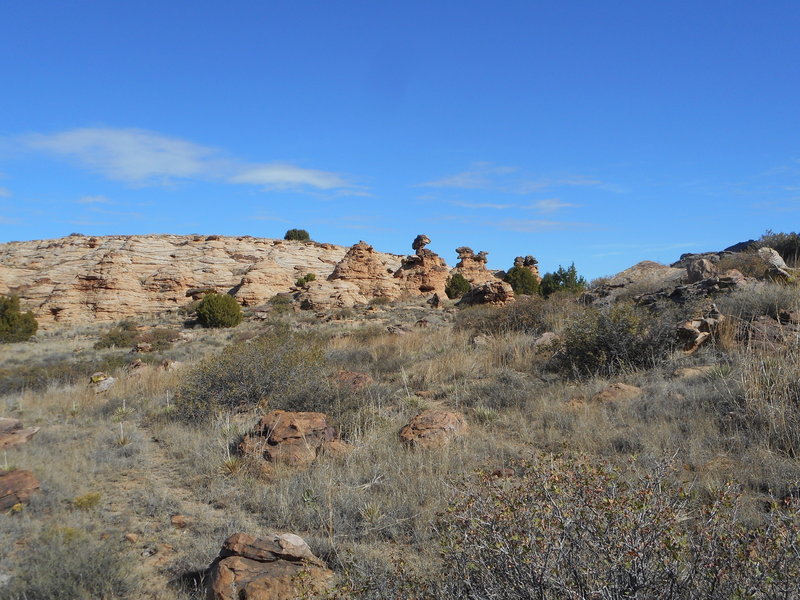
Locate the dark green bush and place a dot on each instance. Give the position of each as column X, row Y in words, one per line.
column 278, row 369
column 616, row 339
column 300, row 235
column 219, row 310
column 566, row 280
column 305, row 279
column 121, row 336
column 522, row 281
column 456, row 286
column 527, row 314
column 15, row 326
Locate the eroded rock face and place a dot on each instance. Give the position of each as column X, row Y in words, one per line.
column 434, row 429
column 496, row 293
column 325, row 295
column 293, row 438
column 424, row 272
column 16, row 487
column 81, row 279
column 371, row 271
column 273, row 567
column 472, row 266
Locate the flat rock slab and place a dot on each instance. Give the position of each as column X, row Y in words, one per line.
column 13, row 434
column 16, row 487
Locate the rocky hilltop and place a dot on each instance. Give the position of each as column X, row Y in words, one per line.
column 106, row 278
column 81, row 278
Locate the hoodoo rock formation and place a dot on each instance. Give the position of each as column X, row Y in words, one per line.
column 472, row 267
column 530, row 263
column 369, row 270
column 424, row 272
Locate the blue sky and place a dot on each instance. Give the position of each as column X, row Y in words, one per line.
column 599, row 132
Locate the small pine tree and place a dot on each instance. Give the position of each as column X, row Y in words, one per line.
column 566, row 280
column 522, row 281
column 456, row 286
column 15, row 326
column 300, row 235
column 219, row 310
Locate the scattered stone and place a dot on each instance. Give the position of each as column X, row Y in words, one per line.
column 181, row 521
column 275, row 567
column 694, row 333
column 496, row 293
column 700, row 269
column 293, row 438
column 353, row 380
column 131, row 537
column 617, row 392
column 13, row 434
column 504, row 473
column 143, row 347
column 101, row 382
column 16, row 488
column 434, row 428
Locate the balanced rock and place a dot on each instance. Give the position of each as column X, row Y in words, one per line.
column 16, row 487
column 12, row 433
column 293, row 438
column 274, row 567
column 369, row 270
column 496, row 293
column 424, row 272
column 530, row 263
column 433, row 428
column 472, row 267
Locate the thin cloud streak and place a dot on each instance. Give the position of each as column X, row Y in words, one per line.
column 5, row 192
column 94, row 200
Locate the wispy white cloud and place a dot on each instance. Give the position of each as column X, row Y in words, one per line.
column 141, row 157
column 5, row 192
column 508, row 179
column 550, row 205
column 539, row 225
column 130, row 155
column 9, row 221
column 283, row 176
column 93, row 200
column 491, row 205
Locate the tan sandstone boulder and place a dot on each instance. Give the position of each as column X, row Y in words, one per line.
column 325, row 295
column 292, row 438
column 617, row 392
column 434, row 428
column 273, row 567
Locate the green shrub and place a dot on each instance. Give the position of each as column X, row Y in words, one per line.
column 522, row 281
column 526, row 315
column 219, row 310
column 456, row 286
column 616, row 339
column 305, row 279
column 277, row 369
column 566, row 280
column 300, row 235
column 280, row 304
column 15, row 326
column 122, row 336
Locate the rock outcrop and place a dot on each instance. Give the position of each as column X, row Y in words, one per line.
column 325, row 295
column 472, row 267
column 81, row 279
column 495, row 293
column 273, row 567
column 433, row 429
column 424, row 272
column 369, row 270
column 530, row 263
column 292, row 438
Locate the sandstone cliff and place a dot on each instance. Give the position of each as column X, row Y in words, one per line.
column 82, row 279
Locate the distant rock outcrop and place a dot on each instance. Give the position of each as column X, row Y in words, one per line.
column 530, row 263
column 424, row 272
column 495, row 293
column 369, row 270
column 472, row 267
column 81, row 279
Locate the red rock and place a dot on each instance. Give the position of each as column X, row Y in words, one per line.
column 16, row 487
column 434, row 428
column 12, row 433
